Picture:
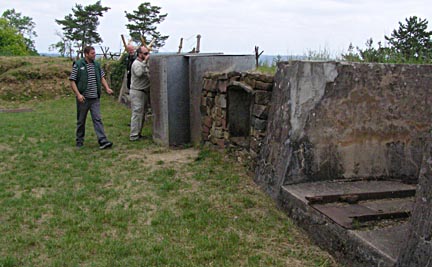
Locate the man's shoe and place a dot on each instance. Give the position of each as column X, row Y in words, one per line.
column 105, row 145
column 79, row 145
column 139, row 138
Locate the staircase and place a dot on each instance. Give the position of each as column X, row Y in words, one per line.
column 364, row 222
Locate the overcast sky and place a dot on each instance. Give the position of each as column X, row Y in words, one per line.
column 279, row 27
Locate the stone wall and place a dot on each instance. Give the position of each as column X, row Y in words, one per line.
column 417, row 250
column 332, row 120
column 234, row 110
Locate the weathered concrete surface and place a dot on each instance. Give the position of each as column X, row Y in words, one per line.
column 418, row 246
column 176, row 84
column 169, row 94
column 358, row 247
column 333, row 120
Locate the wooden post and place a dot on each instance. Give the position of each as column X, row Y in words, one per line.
column 143, row 41
column 124, row 42
column 180, row 46
column 149, row 47
column 257, row 55
column 105, row 52
column 198, row 43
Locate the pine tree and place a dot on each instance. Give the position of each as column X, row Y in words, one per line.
column 142, row 23
column 412, row 40
column 80, row 27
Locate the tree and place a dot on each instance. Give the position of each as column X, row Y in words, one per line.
column 12, row 43
column 24, row 25
column 142, row 23
column 80, row 27
column 64, row 46
column 411, row 43
column 412, row 40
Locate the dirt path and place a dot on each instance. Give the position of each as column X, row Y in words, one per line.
column 165, row 157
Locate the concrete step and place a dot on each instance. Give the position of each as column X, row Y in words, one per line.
column 360, row 231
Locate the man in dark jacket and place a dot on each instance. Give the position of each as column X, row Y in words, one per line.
column 86, row 79
column 130, row 59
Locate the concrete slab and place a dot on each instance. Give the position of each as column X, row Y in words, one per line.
column 337, row 187
column 387, row 240
column 375, row 246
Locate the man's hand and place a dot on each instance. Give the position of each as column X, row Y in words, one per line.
column 81, row 98
column 109, row 91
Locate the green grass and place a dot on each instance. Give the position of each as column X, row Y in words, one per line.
column 60, row 206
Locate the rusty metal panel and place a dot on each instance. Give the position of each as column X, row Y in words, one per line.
column 348, row 214
column 353, row 198
column 342, row 214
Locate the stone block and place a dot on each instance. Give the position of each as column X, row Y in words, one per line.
column 260, row 111
column 217, row 132
column 249, row 81
column 263, row 86
column 204, row 136
column 205, row 129
column 221, row 101
column 222, row 76
column 233, row 74
column 207, row 84
column 262, row 97
column 260, row 124
column 266, row 78
column 222, row 86
column 224, row 123
column 203, row 110
column 234, row 78
column 207, row 121
column 220, row 143
column 210, row 102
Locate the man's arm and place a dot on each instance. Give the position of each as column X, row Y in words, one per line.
column 74, row 87
column 140, row 70
column 107, row 88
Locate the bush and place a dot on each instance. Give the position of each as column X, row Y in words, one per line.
column 115, row 70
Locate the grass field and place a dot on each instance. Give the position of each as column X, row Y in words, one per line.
column 137, row 204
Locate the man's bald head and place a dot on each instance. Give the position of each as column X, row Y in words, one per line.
column 130, row 49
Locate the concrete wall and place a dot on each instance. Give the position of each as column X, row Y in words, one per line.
column 175, row 93
column 417, row 250
column 333, row 120
column 169, row 94
column 199, row 64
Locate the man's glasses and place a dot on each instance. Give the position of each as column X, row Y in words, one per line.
column 145, row 53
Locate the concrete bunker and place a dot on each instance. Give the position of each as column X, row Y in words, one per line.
column 176, row 83
column 343, row 152
column 339, row 146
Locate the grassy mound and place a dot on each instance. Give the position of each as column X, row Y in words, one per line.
column 25, row 78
